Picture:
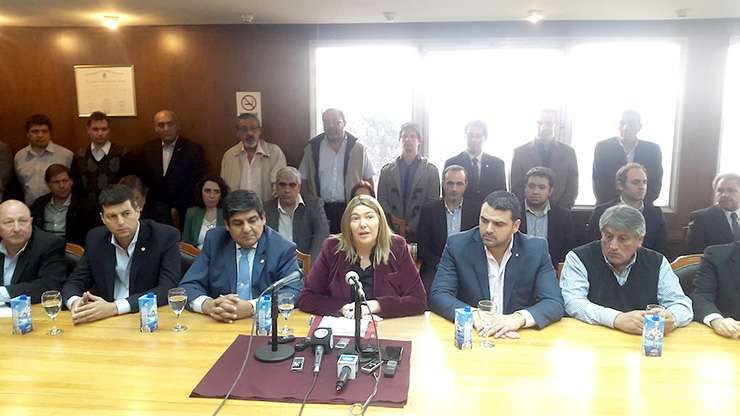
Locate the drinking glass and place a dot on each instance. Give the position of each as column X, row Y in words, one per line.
column 52, row 302
column 286, row 304
column 177, row 297
column 486, row 312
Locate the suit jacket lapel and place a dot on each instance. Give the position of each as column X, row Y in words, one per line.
column 139, row 254
column 724, row 225
column 21, row 264
column 480, row 265
column 735, row 260
column 274, row 218
column 259, row 261
column 418, row 175
column 109, row 252
column 443, row 222
column 512, row 267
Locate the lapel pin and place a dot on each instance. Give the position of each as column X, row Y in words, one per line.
column 143, row 249
column 262, row 261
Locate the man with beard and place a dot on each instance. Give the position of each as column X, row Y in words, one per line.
column 717, row 224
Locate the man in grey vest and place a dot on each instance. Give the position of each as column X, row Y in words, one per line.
column 611, row 281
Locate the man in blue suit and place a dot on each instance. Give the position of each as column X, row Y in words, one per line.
column 495, row 261
column 239, row 261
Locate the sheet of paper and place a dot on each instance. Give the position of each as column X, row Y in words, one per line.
column 341, row 326
column 5, row 311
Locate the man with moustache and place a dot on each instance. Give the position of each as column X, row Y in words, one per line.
column 719, row 223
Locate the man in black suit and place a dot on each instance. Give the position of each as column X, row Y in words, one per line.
column 299, row 218
column 62, row 212
column 171, row 166
column 543, row 219
column 443, row 217
column 123, row 260
column 612, row 154
column 32, row 261
column 632, row 184
column 485, row 173
column 719, row 223
column 716, row 295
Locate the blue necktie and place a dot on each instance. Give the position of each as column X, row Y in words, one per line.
column 244, row 280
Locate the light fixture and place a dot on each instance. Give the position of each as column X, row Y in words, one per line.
column 247, row 17
column 111, row 22
column 682, row 12
column 390, row 16
column 534, row 16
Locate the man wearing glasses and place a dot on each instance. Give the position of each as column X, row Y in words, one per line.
column 32, row 260
column 299, row 218
column 252, row 164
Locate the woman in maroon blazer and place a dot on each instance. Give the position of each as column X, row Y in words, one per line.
column 366, row 245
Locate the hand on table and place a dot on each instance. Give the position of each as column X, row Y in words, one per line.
column 90, row 308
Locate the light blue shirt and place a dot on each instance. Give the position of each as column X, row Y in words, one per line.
column 8, row 270
column 123, row 272
column 454, row 218
column 537, row 223
column 197, row 303
column 574, row 285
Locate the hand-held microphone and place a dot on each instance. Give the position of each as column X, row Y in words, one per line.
column 346, row 369
column 292, row 277
column 353, row 279
column 321, row 342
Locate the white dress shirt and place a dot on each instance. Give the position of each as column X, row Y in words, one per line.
column 285, row 222
column 8, row 270
column 251, row 178
column 496, row 276
column 99, row 153
column 167, row 151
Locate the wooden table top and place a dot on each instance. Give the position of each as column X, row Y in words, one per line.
column 570, row 368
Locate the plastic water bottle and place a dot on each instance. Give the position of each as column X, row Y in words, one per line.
column 263, row 315
column 21, row 312
column 652, row 334
column 464, row 328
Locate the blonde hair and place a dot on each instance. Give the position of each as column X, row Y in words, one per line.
column 382, row 249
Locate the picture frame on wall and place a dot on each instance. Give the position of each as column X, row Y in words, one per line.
column 106, row 88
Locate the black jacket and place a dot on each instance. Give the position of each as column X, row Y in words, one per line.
column 82, row 215
column 609, row 157
column 560, row 232
column 310, row 227
column 708, row 227
column 717, row 283
column 492, row 176
column 39, row 268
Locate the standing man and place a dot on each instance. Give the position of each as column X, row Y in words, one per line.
column 31, row 161
column 409, row 182
column 719, row 223
column 252, row 164
column 333, row 163
column 171, row 166
column 546, row 220
column 546, row 151
column 102, row 163
column 486, row 173
column 442, row 218
column 299, row 218
column 632, row 184
column 612, row 154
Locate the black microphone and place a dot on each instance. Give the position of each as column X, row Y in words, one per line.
column 292, row 277
column 353, row 279
column 321, row 342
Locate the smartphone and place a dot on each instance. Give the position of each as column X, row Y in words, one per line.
column 297, row 365
column 370, row 366
column 342, row 343
column 392, row 353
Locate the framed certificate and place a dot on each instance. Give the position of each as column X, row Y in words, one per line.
column 106, row 88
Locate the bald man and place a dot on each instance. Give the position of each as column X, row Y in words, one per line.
column 170, row 166
column 32, row 260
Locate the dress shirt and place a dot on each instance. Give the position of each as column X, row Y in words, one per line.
column 197, row 304
column 478, row 160
column 285, row 222
column 251, row 178
column 641, row 208
column 537, row 222
column 574, row 284
column 167, row 151
column 205, row 226
column 496, row 276
column 454, row 219
column 99, row 153
column 55, row 217
column 30, row 168
column 728, row 215
column 8, row 269
column 631, row 154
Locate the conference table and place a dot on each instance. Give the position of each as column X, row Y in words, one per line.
column 569, row 368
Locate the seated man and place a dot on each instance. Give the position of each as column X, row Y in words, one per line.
column 238, row 261
column 611, row 281
column 32, row 260
column 299, row 218
column 61, row 212
column 716, row 297
column 494, row 261
column 124, row 259
column 719, row 223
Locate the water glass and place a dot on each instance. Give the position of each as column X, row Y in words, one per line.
column 486, row 313
column 177, row 298
column 52, row 302
column 286, row 304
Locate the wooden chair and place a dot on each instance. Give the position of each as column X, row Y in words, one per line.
column 399, row 226
column 72, row 255
column 304, row 262
column 188, row 253
column 685, row 268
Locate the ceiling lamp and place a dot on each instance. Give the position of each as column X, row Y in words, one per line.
column 111, row 22
column 534, row 16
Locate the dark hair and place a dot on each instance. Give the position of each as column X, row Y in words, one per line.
column 477, row 123
column 542, row 172
column 114, row 195
column 249, row 116
column 135, row 183
column 621, row 176
column 38, row 120
column 505, row 201
column 221, row 185
column 410, row 126
column 54, row 170
column 97, row 116
column 241, row 201
column 454, row 168
column 362, row 184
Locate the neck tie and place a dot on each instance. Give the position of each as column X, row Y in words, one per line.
column 244, row 279
column 474, row 175
column 735, row 226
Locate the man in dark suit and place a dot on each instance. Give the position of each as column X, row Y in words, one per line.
column 717, row 224
column 612, row 154
column 171, row 166
column 716, row 295
column 123, row 260
column 546, row 220
column 496, row 262
column 546, row 151
column 632, row 184
column 486, row 173
column 239, row 261
column 32, row 261
column 299, row 218
column 442, row 218
column 62, row 212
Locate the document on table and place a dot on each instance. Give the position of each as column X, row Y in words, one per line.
column 341, row 326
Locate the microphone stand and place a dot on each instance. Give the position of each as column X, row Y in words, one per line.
column 274, row 352
column 365, row 353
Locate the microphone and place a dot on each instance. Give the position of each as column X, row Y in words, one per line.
column 353, row 279
column 290, row 278
column 321, row 342
column 346, row 369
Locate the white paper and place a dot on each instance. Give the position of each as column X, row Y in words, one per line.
column 5, row 311
column 341, row 326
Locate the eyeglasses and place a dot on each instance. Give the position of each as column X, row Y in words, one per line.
column 292, row 185
column 10, row 223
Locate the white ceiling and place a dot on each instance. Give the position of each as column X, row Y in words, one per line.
column 186, row 12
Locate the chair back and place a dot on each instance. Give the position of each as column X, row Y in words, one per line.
column 559, row 270
column 304, row 262
column 399, row 226
column 72, row 255
column 685, row 268
column 188, row 253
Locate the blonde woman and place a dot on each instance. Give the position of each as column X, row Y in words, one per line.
column 366, row 245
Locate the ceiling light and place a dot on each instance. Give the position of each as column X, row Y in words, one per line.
column 111, row 22
column 390, row 17
column 682, row 12
column 534, row 16
column 247, row 18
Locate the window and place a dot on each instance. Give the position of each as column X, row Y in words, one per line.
column 730, row 144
